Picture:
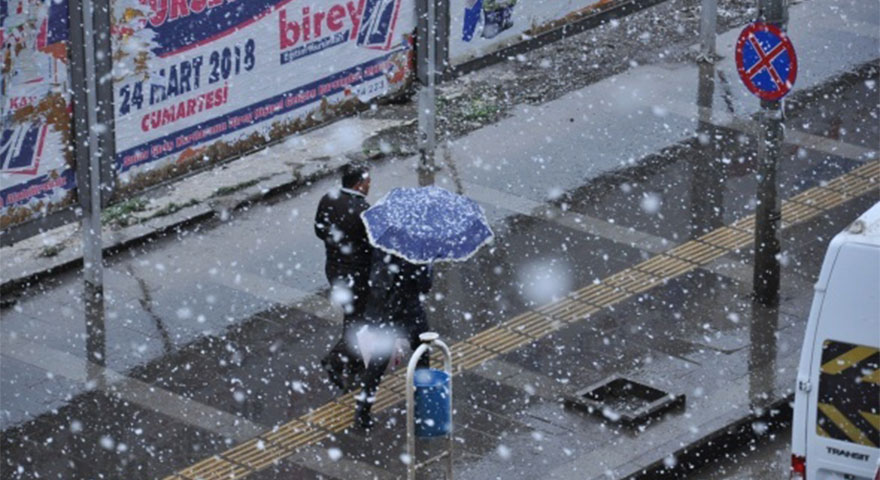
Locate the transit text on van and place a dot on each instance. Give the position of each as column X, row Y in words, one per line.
column 845, row 453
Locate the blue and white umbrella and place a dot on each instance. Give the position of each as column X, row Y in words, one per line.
column 427, row 224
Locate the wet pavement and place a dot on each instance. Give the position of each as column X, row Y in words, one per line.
column 214, row 335
column 768, row 458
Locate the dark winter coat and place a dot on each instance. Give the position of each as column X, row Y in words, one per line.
column 397, row 290
column 338, row 223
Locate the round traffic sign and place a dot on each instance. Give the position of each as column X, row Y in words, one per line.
column 766, row 61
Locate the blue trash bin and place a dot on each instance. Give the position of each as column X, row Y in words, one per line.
column 433, row 412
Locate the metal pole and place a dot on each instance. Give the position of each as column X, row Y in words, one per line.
column 773, row 11
column 707, row 179
column 766, row 280
column 410, row 411
column 708, row 29
column 450, row 443
column 427, row 44
column 90, row 64
column 429, row 339
column 762, row 355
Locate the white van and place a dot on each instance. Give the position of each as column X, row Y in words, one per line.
column 836, row 427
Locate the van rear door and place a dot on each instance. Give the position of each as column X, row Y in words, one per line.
column 844, row 407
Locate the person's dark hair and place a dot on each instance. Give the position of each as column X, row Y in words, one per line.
column 353, row 173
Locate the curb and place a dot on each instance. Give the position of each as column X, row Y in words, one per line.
column 735, row 434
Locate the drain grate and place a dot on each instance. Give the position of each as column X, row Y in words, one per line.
column 625, row 401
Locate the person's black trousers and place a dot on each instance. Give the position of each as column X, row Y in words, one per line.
column 372, row 376
column 355, row 277
column 344, row 366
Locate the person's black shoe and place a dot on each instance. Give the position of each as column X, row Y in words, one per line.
column 353, row 378
column 335, row 377
column 350, row 381
column 365, row 423
column 362, row 419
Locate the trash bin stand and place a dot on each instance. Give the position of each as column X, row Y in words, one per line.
column 429, row 339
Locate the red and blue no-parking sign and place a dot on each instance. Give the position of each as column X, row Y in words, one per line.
column 766, row 61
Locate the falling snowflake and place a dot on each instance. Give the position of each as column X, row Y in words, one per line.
column 334, row 454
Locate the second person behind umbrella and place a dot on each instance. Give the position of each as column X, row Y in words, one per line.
column 395, row 309
column 410, row 228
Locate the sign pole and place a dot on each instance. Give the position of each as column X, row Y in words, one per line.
column 427, row 68
column 90, row 65
column 766, row 279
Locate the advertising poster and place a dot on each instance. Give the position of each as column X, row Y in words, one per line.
column 480, row 27
column 36, row 167
column 196, row 80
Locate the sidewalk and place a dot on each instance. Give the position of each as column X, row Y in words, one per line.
column 673, row 321
column 511, row 406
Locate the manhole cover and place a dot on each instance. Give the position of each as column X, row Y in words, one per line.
column 625, row 401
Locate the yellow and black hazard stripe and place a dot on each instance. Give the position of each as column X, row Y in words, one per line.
column 849, row 393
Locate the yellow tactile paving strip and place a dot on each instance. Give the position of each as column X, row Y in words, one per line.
column 285, row 440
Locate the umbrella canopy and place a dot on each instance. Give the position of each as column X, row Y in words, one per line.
column 427, row 224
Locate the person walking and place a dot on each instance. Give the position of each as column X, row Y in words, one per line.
column 348, row 256
column 394, row 309
column 411, row 229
